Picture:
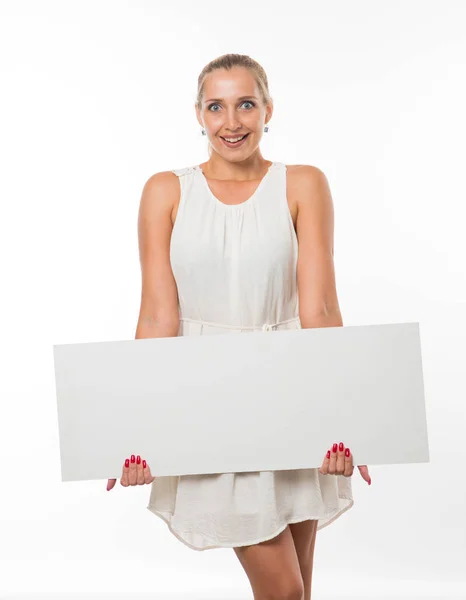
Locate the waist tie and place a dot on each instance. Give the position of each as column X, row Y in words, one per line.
column 264, row 327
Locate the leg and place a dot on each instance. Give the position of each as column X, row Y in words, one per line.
column 273, row 568
column 304, row 537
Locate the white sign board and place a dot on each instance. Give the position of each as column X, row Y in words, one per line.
column 231, row 403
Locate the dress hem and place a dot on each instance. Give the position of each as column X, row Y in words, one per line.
column 257, row 540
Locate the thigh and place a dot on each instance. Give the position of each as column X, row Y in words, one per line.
column 273, row 568
column 304, row 538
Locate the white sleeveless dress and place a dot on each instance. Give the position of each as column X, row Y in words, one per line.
column 235, row 269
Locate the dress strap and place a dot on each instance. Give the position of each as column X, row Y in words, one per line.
column 181, row 172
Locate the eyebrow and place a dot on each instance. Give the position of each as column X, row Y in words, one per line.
column 240, row 98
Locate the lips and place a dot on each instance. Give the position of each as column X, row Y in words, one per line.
column 235, row 136
column 235, row 144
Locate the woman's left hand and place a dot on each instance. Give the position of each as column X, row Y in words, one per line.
column 339, row 461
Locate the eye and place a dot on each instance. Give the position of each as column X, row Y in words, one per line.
column 216, row 104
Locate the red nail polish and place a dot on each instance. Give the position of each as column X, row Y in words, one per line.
column 144, row 464
column 127, row 462
column 138, row 460
column 328, row 454
column 335, row 446
column 347, row 452
column 133, row 458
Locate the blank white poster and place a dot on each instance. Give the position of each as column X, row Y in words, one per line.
column 231, row 403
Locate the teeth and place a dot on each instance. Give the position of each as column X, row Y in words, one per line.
column 234, row 139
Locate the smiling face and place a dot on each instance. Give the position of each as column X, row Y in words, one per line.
column 232, row 107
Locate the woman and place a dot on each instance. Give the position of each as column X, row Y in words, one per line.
column 219, row 252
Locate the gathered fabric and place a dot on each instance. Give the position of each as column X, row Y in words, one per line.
column 235, row 270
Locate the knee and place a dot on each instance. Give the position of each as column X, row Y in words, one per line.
column 293, row 592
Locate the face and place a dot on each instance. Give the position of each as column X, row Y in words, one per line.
column 232, row 107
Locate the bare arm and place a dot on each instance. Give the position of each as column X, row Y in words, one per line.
column 158, row 315
column 318, row 302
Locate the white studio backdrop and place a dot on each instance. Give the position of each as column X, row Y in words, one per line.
column 96, row 97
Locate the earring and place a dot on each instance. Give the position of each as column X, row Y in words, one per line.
column 266, row 128
column 203, row 132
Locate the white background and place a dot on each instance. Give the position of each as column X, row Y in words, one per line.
column 95, row 98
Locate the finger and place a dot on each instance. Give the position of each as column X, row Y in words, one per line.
column 110, row 484
column 140, row 471
column 148, row 478
column 324, row 468
column 340, row 466
column 124, row 475
column 333, row 460
column 365, row 473
column 348, row 463
column 133, row 474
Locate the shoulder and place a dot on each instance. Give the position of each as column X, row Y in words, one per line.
column 307, row 184
column 161, row 188
column 161, row 180
column 305, row 174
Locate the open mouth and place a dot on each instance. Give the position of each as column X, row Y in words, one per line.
column 235, row 144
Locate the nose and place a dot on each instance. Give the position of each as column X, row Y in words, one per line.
column 232, row 123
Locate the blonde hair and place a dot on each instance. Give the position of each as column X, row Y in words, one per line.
column 228, row 61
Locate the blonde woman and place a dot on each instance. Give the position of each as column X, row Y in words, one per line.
column 240, row 243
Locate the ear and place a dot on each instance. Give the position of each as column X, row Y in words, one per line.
column 198, row 115
column 268, row 112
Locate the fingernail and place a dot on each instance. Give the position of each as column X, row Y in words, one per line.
column 335, row 446
column 370, row 481
column 133, row 458
column 341, row 446
column 127, row 462
column 347, row 452
column 138, row 460
column 144, row 464
column 328, row 454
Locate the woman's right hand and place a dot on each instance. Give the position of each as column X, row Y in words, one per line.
column 135, row 472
